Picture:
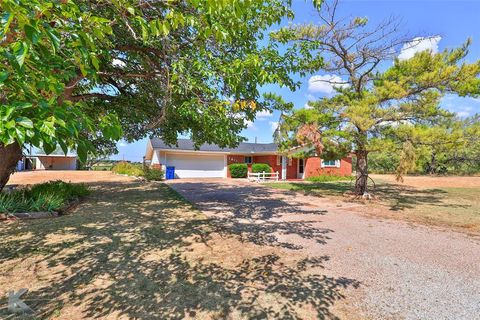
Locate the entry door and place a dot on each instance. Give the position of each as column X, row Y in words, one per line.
column 300, row 168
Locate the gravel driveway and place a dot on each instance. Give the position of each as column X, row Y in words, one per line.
column 405, row 271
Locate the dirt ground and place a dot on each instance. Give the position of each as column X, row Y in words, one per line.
column 391, row 269
column 431, row 181
column 33, row 177
column 139, row 250
column 135, row 250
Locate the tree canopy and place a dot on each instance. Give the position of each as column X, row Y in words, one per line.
column 372, row 99
column 81, row 74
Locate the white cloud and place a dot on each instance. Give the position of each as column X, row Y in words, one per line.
column 249, row 124
column 273, row 125
column 326, row 83
column 419, row 44
column 307, row 106
column 122, row 144
column 465, row 112
column 263, row 114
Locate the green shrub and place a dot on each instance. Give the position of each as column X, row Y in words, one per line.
column 238, row 170
column 50, row 196
column 261, row 167
column 328, row 178
column 129, row 169
column 153, row 174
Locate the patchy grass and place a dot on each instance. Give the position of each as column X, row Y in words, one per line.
column 443, row 206
column 329, row 178
column 136, row 250
column 50, row 196
column 321, row 189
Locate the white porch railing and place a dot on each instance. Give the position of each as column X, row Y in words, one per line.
column 263, row 176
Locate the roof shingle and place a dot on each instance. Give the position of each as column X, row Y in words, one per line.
column 187, row 144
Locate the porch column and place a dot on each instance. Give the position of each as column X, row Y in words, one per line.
column 284, row 168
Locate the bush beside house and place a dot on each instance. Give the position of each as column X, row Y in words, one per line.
column 261, row 167
column 153, row 174
column 238, row 170
column 137, row 170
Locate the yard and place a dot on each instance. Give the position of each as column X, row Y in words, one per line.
column 136, row 250
column 243, row 251
column 441, row 201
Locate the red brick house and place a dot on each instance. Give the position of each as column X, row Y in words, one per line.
column 211, row 161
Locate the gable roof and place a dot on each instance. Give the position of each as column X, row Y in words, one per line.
column 187, row 145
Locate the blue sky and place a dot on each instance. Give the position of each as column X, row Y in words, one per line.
column 453, row 21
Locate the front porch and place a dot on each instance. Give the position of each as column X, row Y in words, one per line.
column 287, row 168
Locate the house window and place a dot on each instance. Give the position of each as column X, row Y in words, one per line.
column 290, row 162
column 248, row 160
column 330, row 163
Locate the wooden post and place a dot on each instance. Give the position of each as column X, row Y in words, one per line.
column 284, row 168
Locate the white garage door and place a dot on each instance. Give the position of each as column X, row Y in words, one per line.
column 197, row 166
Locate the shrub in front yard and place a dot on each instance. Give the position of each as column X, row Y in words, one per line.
column 328, row 178
column 238, row 170
column 261, row 167
column 129, row 169
column 50, row 196
column 153, row 174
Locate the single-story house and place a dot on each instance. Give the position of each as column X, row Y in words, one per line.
column 211, row 161
column 48, row 162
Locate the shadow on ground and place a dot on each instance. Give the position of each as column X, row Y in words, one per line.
column 396, row 197
column 140, row 251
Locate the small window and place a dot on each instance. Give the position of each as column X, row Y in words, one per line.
column 248, row 160
column 330, row 163
column 290, row 161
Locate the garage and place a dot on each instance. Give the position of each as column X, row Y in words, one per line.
column 197, row 165
column 56, row 162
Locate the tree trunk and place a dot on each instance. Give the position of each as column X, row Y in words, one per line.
column 361, row 184
column 9, row 157
column 432, row 166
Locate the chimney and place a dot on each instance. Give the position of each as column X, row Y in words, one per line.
column 255, row 140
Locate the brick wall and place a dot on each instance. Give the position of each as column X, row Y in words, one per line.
column 313, row 167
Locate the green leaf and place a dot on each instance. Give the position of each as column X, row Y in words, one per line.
column 63, row 146
column 95, row 62
column 25, row 122
column 48, row 128
column 20, row 135
column 20, row 50
column 5, row 21
column 3, row 76
column 54, row 38
column 22, row 105
column 82, row 152
column 7, row 111
column 32, row 34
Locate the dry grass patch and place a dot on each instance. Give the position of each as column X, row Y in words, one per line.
column 448, row 204
column 136, row 250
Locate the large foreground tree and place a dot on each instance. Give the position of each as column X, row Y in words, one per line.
column 376, row 90
column 77, row 73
